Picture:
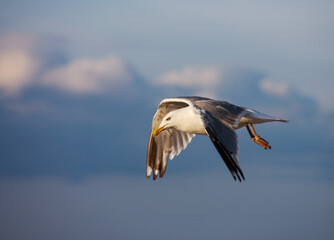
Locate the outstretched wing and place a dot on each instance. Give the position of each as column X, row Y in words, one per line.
column 226, row 113
column 168, row 143
column 226, row 142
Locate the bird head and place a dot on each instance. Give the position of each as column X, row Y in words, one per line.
column 167, row 122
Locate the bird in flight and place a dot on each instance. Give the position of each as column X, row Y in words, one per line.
column 178, row 120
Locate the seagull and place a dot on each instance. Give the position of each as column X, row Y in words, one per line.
column 178, row 120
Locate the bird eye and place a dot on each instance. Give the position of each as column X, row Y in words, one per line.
column 167, row 119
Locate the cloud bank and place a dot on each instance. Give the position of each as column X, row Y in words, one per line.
column 278, row 89
column 18, row 66
column 22, row 65
column 90, row 76
column 204, row 80
column 98, row 111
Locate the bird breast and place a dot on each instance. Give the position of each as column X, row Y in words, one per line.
column 190, row 121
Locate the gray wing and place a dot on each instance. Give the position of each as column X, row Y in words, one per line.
column 220, row 119
column 168, row 143
column 234, row 116
column 227, row 113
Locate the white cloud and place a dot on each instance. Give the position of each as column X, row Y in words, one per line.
column 27, row 61
column 90, row 76
column 203, row 80
column 17, row 63
column 278, row 89
column 193, row 77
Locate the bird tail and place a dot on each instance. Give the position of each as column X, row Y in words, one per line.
column 256, row 117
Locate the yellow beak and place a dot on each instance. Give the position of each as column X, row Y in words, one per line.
column 159, row 130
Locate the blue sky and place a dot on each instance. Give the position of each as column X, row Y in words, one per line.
column 80, row 83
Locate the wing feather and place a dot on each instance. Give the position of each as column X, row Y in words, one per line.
column 225, row 140
column 227, row 113
column 167, row 144
column 180, row 142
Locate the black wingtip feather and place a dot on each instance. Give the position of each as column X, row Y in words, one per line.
column 226, row 156
column 239, row 177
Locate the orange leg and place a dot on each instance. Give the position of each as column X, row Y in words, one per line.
column 256, row 138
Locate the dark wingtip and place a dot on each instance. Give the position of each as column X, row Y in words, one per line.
column 237, row 177
column 242, row 174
